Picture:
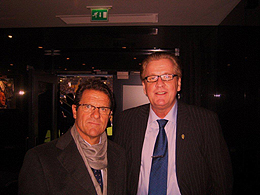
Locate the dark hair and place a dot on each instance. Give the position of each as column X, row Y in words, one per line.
column 158, row 56
column 94, row 84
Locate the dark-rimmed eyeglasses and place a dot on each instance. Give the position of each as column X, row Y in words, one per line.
column 164, row 77
column 88, row 108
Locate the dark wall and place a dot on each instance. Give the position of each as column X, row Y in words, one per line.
column 238, row 79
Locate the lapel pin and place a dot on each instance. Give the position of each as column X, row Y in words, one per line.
column 182, row 136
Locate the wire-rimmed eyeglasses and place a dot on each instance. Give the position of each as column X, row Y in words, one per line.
column 90, row 108
column 164, row 77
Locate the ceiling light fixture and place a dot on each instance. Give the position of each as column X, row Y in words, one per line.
column 113, row 19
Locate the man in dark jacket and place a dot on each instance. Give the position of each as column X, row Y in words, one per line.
column 83, row 160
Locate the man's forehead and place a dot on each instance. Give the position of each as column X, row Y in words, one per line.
column 94, row 95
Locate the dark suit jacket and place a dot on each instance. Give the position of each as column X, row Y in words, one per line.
column 58, row 168
column 202, row 159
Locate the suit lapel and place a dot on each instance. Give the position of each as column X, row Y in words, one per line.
column 72, row 161
column 139, row 129
column 182, row 136
column 141, row 125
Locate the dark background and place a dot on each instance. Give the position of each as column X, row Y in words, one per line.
column 216, row 60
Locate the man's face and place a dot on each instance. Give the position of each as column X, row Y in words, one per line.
column 161, row 94
column 2, row 98
column 91, row 125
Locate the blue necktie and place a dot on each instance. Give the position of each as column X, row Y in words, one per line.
column 98, row 176
column 158, row 174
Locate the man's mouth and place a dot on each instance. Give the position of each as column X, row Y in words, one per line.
column 161, row 92
column 93, row 123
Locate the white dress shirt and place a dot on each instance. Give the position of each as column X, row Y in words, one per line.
column 147, row 152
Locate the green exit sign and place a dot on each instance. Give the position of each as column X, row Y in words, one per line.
column 99, row 14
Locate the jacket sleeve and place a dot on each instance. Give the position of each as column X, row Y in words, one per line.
column 31, row 177
column 203, row 155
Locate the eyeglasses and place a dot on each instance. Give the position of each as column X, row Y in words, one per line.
column 90, row 108
column 164, row 77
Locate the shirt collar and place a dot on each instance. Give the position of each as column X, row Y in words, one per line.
column 95, row 144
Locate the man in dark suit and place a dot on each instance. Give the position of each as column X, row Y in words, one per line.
column 83, row 160
column 197, row 158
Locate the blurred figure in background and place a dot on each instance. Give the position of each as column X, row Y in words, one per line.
column 2, row 100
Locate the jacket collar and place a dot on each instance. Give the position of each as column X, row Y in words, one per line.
column 72, row 161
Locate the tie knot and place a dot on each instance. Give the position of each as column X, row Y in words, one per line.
column 162, row 123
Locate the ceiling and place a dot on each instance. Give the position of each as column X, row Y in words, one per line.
column 47, row 13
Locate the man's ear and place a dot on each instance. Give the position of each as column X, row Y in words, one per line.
column 110, row 114
column 144, row 88
column 179, row 84
column 74, row 111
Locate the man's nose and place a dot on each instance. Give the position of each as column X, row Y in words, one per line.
column 95, row 113
column 160, row 82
